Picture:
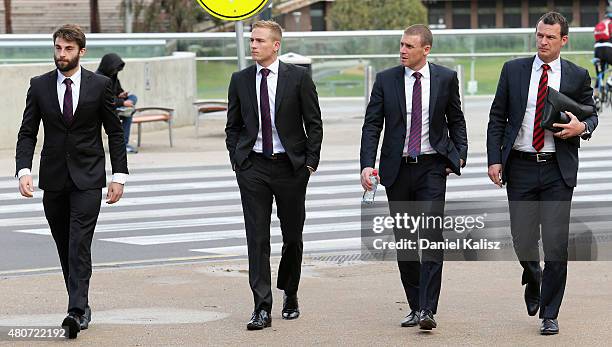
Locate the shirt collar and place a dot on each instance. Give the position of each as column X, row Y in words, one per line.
column 76, row 78
column 273, row 67
column 555, row 65
column 424, row 71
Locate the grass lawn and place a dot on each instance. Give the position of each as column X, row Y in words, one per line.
column 213, row 77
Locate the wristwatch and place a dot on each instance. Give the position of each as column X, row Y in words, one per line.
column 586, row 129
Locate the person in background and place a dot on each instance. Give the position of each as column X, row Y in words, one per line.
column 110, row 65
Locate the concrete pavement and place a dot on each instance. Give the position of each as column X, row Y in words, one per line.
column 346, row 302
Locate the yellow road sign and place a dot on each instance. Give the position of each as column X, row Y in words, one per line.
column 233, row 9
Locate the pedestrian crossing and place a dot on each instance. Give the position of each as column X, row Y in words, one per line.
column 173, row 212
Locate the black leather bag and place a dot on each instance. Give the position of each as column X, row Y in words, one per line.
column 555, row 107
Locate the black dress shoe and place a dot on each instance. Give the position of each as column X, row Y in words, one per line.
column 549, row 327
column 532, row 298
column 86, row 318
column 259, row 320
column 411, row 320
column 427, row 321
column 291, row 309
column 72, row 325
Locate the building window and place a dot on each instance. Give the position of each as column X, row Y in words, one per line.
column 317, row 17
column 461, row 14
column 435, row 13
column 537, row 8
column 486, row 14
column 565, row 7
column 589, row 14
column 512, row 14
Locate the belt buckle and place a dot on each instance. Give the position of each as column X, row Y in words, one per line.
column 411, row 160
column 538, row 160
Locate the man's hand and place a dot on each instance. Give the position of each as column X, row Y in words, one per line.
column 365, row 178
column 123, row 94
column 115, row 192
column 26, row 188
column 449, row 171
column 495, row 174
column 571, row 129
column 128, row 103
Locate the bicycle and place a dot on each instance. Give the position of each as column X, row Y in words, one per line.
column 603, row 89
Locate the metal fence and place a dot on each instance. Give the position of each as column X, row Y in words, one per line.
column 340, row 58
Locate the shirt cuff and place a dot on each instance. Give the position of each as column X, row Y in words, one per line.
column 310, row 168
column 120, row 178
column 24, row 172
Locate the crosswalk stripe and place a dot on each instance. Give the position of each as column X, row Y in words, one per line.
column 490, row 191
column 353, row 243
column 227, row 234
column 213, row 173
column 196, row 222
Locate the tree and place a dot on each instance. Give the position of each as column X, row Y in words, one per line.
column 170, row 16
column 94, row 16
column 8, row 20
column 376, row 14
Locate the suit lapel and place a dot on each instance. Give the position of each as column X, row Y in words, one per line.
column 52, row 88
column 400, row 88
column 85, row 76
column 525, row 80
column 280, row 86
column 564, row 70
column 433, row 89
column 252, row 92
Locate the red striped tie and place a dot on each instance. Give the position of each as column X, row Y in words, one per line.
column 538, row 132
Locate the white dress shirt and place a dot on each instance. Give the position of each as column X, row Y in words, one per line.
column 76, row 89
column 524, row 139
column 272, row 80
column 425, row 91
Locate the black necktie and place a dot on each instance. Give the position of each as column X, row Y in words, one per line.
column 67, row 112
column 266, row 118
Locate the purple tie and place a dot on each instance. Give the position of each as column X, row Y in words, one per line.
column 67, row 112
column 266, row 119
column 414, row 141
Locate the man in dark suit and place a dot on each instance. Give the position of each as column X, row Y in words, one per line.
column 274, row 133
column 425, row 139
column 539, row 166
column 73, row 104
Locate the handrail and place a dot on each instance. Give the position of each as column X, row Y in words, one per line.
column 288, row 34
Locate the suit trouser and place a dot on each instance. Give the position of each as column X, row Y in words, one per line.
column 420, row 189
column 538, row 196
column 72, row 215
column 261, row 181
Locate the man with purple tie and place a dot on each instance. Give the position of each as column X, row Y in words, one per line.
column 274, row 134
column 425, row 139
column 73, row 104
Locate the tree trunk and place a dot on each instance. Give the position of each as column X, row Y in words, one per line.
column 94, row 16
column 8, row 22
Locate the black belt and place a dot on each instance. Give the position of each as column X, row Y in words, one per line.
column 416, row 160
column 537, row 157
column 274, row 156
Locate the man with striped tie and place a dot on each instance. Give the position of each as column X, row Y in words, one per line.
column 538, row 166
column 425, row 140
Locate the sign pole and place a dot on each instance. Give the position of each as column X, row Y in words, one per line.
column 240, row 45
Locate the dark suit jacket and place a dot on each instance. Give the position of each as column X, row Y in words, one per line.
column 297, row 116
column 510, row 103
column 76, row 149
column 447, row 130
